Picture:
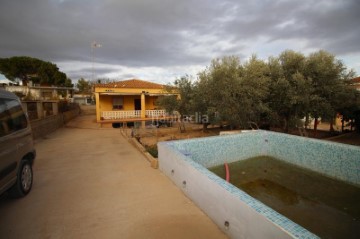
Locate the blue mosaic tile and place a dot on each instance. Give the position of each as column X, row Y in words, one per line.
column 331, row 159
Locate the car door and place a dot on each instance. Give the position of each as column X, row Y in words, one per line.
column 13, row 124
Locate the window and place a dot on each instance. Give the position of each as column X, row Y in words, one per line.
column 118, row 103
column 12, row 117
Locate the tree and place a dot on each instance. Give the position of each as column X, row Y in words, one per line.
column 219, row 85
column 169, row 103
column 27, row 68
column 349, row 107
column 185, row 88
column 179, row 98
column 201, row 102
column 84, row 86
column 289, row 89
column 254, row 90
column 234, row 93
column 328, row 76
column 291, row 62
column 284, row 89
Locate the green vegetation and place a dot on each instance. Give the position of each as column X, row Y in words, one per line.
column 84, row 86
column 32, row 69
column 152, row 149
column 278, row 92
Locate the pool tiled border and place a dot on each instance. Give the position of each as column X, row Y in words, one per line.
column 191, row 158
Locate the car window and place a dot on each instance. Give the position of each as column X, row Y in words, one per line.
column 12, row 117
column 4, row 116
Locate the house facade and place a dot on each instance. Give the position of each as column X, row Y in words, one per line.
column 129, row 101
column 355, row 83
column 41, row 92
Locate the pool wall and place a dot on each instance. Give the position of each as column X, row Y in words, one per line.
column 239, row 215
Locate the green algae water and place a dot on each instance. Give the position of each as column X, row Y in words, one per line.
column 325, row 206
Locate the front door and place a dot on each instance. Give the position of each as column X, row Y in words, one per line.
column 137, row 104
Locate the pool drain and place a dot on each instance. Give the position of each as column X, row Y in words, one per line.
column 227, row 225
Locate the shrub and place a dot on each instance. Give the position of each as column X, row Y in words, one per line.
column 152, row 149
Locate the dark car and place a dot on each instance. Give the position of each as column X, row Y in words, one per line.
column 17, row 152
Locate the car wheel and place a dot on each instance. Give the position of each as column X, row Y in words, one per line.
column 24, row 180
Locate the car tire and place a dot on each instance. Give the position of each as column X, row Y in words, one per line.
column 24, row 180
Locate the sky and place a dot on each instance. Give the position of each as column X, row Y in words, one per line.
column 162, row 40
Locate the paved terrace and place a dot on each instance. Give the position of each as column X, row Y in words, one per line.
column 91, row 183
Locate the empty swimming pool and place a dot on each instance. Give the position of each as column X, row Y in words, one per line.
column 328, row 207
column 235, row 211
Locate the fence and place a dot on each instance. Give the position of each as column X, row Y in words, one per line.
column 45, row 117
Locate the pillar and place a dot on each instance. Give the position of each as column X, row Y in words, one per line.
column 143, row 110
column 97, row 101
column 143, row 114
column 24, row 105
column 40, row 110
column 55, row 108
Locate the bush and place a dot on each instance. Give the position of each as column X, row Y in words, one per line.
column 152, row 149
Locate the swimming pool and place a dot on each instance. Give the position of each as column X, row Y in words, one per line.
column 239, row 215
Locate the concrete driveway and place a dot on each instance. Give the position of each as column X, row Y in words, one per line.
column 91, row 183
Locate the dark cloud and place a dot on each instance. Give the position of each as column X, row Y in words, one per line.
column 165, row 34
column 324, row 24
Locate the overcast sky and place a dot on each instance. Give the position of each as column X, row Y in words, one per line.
column 160, row 40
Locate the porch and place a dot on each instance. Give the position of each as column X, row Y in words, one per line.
column 129, row 101
column 128, row 115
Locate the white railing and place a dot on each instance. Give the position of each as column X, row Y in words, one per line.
column 155, row 113
column 126, row 114
column 121, row 114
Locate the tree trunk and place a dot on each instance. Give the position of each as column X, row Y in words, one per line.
column 286, row 124
column 315, row 127
column 205, row 125
column 306, row 121
column 182, row 127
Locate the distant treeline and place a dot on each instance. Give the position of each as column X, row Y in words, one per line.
column 279, row 91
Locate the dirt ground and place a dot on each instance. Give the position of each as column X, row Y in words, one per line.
column 349, row 138
column 150, row 136
column 90, row 182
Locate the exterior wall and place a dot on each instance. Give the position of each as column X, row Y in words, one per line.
column 147, row 98
column 106, row 103
column 43, row 109
column 129, row 101
column 46, row 126
column 40, row 93
column 187, row 160
column 18, row 89
column 150, row 102
column 129, row 91
column 80, row 100
column 50, row 124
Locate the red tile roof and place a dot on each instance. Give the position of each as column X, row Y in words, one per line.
column 132, row 83
column 356, row 80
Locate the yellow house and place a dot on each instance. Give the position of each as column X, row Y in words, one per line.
column 129, row 101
